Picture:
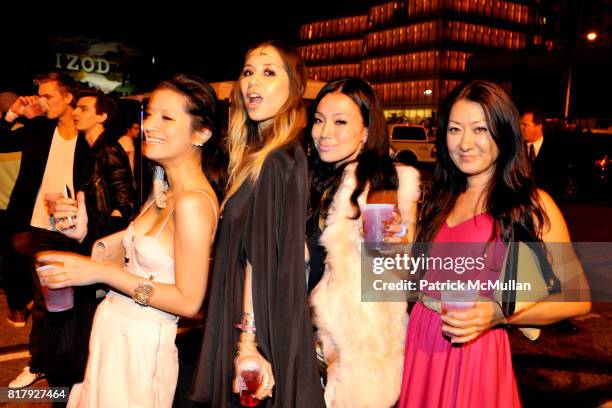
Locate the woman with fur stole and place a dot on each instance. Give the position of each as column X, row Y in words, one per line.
column 362, row 342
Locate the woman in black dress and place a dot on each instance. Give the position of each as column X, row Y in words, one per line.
column 259, row 274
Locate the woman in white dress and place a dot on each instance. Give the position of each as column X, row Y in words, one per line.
column 133, row 358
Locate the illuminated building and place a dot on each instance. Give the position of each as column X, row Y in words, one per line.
column 415, row 51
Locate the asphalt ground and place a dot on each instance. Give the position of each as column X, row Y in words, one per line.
column 563, row 368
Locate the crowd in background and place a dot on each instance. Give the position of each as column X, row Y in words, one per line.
column 277, row 201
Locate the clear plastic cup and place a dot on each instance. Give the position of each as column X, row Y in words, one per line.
column 458, row 299
column 38, row 108
column 57, row 300
column 375, row 217
column 51, row 202
column 248, row 382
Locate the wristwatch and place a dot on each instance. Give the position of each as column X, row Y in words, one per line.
column 143, row 292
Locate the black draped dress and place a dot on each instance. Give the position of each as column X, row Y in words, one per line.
column 263, row 224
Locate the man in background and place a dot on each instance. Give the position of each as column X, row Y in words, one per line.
column 548, row 159
column 16, row 278
column 53, row 156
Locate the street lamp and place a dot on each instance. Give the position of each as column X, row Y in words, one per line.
column 592, row 36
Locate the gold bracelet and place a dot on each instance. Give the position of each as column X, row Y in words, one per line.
column 144, row 290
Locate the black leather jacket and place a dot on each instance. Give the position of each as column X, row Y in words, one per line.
column 109, row 188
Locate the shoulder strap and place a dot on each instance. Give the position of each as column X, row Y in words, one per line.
column 165, row 222
column 144, row 209
column 212, row 202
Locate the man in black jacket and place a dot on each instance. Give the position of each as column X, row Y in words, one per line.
column 548, row 159
column 53, row 156
column 109, row 194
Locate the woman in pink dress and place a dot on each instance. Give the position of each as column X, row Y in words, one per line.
column 481, row 187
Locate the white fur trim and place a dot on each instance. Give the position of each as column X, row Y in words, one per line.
column 363, row 342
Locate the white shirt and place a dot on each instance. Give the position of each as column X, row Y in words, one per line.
column 58, row 173
column 537, row 145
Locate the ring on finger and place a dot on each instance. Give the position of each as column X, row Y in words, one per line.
column 402, row 232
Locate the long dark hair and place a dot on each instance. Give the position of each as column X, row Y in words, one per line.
column 374, row 166
column 202, row 107
column 511, row 195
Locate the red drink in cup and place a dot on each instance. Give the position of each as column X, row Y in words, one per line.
column 375, row 217
column 249, row 382
column 57, row 300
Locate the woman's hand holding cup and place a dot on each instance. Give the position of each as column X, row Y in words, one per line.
column 396, row 231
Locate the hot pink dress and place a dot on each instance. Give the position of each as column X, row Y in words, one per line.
column 476, row 374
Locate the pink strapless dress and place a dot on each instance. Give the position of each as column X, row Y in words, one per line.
column 438, row 374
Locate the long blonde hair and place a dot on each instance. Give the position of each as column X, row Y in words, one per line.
column 246, row 161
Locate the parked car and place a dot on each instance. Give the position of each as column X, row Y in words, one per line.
column 412, row 144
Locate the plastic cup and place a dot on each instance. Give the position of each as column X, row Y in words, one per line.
column 458, row 299
column 249, row 382
column 38, row 108
column 375, row 217
column 57, row 300
column 51, row 201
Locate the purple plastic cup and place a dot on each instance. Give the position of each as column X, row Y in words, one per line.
column 57, row 300
column 458, row 299
column 375, row 217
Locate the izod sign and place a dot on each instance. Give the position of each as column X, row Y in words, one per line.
column 85, row 63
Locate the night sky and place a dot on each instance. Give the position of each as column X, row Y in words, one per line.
column 207, row 38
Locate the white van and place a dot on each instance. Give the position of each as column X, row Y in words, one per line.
column 412, row 143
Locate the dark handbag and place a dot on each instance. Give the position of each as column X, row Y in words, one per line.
column 525, row 263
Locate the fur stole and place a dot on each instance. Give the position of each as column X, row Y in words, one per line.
column 363, row 342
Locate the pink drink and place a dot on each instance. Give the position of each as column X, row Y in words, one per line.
column 57, row 300
column 375, row 217
column 249, row 382
column 51, row 201
column 458, row 299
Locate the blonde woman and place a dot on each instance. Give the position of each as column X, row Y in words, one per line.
column 259, row 281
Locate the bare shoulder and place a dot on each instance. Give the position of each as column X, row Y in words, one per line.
column 196, row 203
column 548, row 205
column 556, row 228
